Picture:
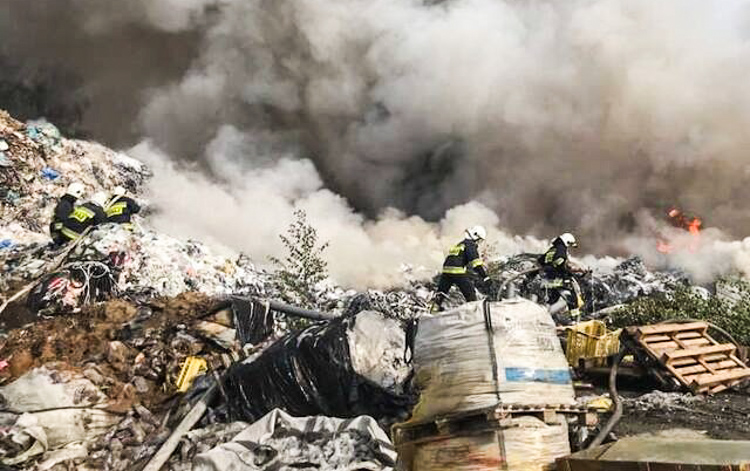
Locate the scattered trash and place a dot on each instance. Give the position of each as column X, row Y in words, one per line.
column 6, row 243
column 4, row 160
column 191, row 368
column 3, row 145
column 280, row 441
column 45, row 133
column 50, row 174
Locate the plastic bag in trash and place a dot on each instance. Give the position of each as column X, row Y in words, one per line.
column 50, row 173
column 279, row 441
column 77, row 284
column 311, row 372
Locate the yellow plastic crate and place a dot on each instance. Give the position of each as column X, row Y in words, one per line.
column 590, row 340
column 192, row 367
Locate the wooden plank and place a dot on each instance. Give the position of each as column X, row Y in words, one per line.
column 710, row 374
column 691, row 361
column 649, row 339
column 722, row 377
column 699, row 342
column 698, row 368
column 725, row 348
column 688, row 335
column 664, row 328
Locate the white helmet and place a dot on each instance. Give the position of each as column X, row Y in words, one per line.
column 476, row 233
column 119, row 191
column 75, row 189
column 568, row 239
column 99, row 198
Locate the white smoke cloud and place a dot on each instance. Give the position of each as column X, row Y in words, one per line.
column 531, row 116
column 249, row 208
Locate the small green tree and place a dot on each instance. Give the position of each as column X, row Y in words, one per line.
column 303, row 267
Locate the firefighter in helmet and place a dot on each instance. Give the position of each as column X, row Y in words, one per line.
column 85, row 216
column 120, row 208
column 462, row 258
column 560, row 273
column 63, row 209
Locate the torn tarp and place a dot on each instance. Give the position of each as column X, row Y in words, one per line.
column 315, row 372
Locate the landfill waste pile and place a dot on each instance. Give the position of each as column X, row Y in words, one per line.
column 627, row 281
column 143, row 264
column 135, row 349
column 36, row 166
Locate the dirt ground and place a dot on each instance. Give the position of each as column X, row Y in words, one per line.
column 723, row 416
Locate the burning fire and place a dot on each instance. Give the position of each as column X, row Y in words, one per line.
column 680, row 220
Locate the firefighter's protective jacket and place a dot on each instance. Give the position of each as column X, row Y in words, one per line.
column 462, row 257
column 554, row 262
column 83, row 216
column 63, row 209
column 121, row 209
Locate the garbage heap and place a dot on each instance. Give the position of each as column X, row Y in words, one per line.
column 36, row 166
column 603, row 289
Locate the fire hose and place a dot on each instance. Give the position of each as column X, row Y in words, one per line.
column 293, row 311
column 53, row 266
column 617, row 413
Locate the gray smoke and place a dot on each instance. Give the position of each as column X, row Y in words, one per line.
column 556, row 116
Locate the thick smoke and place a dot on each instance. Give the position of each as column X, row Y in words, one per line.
column 550, row 116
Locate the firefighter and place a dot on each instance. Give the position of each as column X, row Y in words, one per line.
column 87, row 215
column 120, row 208
column 559, row 273
column 462, row 258
column 63, row 209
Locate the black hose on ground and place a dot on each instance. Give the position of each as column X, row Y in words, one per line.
column 293, row 311
column 618, row 406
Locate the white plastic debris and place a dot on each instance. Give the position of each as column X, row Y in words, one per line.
column 44, row 388
column 376, row 346
column 280, row 441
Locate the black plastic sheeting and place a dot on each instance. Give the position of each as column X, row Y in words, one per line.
column 253, row 320
column 308, row 373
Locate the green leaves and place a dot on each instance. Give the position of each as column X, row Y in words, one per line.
column 684, row 303
column 303, row 267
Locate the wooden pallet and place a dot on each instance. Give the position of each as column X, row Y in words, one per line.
column 694, row 358
column 490, row 418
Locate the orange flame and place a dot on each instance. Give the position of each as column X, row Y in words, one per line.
column 679, row 220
